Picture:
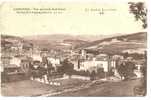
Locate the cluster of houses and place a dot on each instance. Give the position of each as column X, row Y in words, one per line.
column 18, row 58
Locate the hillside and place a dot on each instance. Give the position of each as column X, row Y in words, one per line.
column 43, row 41
column 7, row 41
column 114, row 44
column 60, row 37
column 117, row 44
column 56, row 41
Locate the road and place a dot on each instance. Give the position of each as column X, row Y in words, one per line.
column 123, row 88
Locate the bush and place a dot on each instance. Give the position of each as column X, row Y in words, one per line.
column 100, row 73
column 126, row 69
column 93, row 75
column 82, row 73
column 111, row 73
column 66, row 68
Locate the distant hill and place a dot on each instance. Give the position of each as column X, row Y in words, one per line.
column 61, row 37
column 117, row 44
column 59, row 41
column 8, row 41
column 3, row 36
column 106, row 44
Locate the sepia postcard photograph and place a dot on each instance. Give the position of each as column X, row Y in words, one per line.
column 73, row 49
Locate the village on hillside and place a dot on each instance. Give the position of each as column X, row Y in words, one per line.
column 74, row 49
column 22, row 61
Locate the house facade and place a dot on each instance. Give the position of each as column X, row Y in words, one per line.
column 90, row 63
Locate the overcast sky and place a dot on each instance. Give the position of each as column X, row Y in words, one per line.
column 73, row 20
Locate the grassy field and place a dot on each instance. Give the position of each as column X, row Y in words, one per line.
column 70, row 87
column 34, row 88
column 123, row 88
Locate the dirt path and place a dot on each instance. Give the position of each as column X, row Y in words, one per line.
column 123, row 88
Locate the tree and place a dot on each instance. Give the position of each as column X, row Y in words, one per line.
column 93, row 75
column 120, row 69
column 125, row 55
column 67, row 67
column 100, row 73
column 126, row 69
column 140, row 12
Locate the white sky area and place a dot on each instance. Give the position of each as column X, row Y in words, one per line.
column 74, row 20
